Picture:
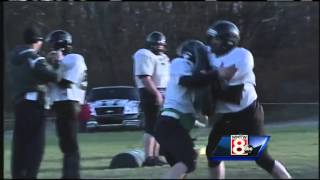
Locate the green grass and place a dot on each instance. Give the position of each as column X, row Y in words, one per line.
column 295, row 145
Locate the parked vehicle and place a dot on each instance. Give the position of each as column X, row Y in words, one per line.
column 113, row 106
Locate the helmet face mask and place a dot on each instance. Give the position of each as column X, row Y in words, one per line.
column 158, row 48
column 227, row 33
column 156, row 42
column 218, row 46
column 60, row 40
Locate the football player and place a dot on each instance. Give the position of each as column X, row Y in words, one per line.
column 178, row 114
column 151, row 71
column 67, row 96
column 238, row 102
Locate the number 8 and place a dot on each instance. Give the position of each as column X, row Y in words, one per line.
column 236, row 146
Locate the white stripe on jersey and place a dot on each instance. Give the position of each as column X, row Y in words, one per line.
column 25, row 51
column 170, row 114
column 34, row 61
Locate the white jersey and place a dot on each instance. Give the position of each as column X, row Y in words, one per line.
column 243, row 60
column 156, row 66
column 73, row 69
column 179, row 97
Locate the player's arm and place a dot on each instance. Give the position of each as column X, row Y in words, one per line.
column 233, row 93
column 54, row 58
column 144, row 67
column 75, row 70
column 183, row 70
column 245, row 65
column 228, row 93
column 210, row 77
column 64, row 84
column 198, row 79
column 149, row 84
column 43, row 70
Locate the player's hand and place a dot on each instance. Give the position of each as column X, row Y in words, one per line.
column 227, row 72
column 54, row 56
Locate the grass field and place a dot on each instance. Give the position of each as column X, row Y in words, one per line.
column 294, row 144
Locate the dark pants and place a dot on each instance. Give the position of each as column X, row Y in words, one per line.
column 175, row 142
column 151, row 115
column 28, row 139
column 150, row 109
column 67, row 127
column 249, row 121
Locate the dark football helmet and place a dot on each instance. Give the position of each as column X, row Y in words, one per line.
column 60, row 40
column 195, row 51
column 156, row 42
column 226, row 34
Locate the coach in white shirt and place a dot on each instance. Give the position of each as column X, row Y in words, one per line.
column 151, row 71
column 67, row 96
column 238, row 104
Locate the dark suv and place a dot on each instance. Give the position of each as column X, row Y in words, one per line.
column 114, row 106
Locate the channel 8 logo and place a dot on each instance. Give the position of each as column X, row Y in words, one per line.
column 240, row 147
column 238, row 144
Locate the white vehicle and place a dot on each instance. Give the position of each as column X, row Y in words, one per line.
column 114, row 106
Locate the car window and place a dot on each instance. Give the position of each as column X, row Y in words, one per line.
column 113, row 93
